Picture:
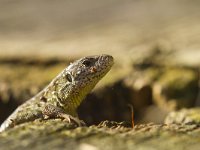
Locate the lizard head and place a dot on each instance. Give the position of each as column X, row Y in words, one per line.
column 80, row 77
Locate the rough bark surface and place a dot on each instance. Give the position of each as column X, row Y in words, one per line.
column 57, row 134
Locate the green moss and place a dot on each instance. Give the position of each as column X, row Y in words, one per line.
column 194, row 114
column 179, row 85
column 179, row 82
column 184, row 116
column 23, row 81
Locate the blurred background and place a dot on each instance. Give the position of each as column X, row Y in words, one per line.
column 156, row 46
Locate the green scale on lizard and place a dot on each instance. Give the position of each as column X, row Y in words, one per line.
column 64, row 94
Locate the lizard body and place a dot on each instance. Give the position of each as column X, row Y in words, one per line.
column 64, row 94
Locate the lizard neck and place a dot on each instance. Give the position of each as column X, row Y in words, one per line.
column 58, row 98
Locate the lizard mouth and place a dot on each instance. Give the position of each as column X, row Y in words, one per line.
column 103, row 64
column 106, row 60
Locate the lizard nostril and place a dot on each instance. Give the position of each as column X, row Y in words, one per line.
column 93, row 69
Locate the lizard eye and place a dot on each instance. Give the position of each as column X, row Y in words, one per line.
column 87, row 63
column 69, row 77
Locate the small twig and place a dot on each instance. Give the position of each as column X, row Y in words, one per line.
column 132, row 115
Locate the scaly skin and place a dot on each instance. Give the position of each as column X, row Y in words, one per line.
column 64, row 94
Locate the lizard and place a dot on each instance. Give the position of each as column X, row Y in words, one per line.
column 64, row 93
